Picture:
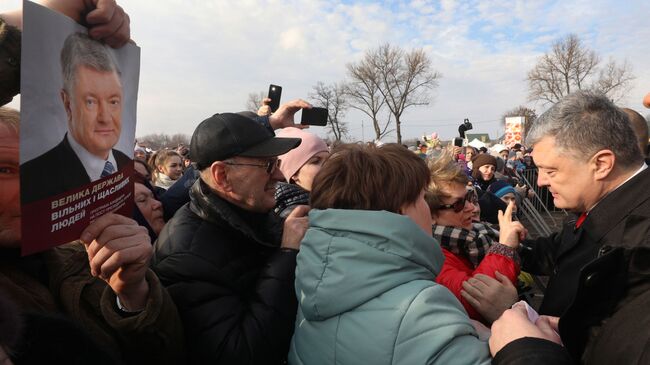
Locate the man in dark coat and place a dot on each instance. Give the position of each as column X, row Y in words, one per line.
column 225, row 258
column 598, row 264
column 92, row 98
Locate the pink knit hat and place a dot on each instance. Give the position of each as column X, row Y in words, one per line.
column 293, row 160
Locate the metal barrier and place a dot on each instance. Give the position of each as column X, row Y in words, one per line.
column 542, row 200
column 535, row 218
column 534, row 210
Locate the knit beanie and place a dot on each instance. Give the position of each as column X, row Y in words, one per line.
column 482, row 159
column 293, row 160
column 500, row 188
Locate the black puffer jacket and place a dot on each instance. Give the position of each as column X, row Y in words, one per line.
column 231, row 282
column 288, row 197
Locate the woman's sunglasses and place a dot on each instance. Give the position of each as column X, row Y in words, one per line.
column 459, row 205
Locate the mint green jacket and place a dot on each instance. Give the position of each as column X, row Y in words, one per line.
column 367, row 295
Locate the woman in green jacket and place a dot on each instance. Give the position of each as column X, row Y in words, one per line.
column 365, row 274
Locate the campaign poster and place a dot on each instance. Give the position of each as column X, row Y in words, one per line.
column 514, row 131
column 78, row 116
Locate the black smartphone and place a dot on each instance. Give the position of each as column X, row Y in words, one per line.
column 314, row 116
column 458, row 142
column 275, row 92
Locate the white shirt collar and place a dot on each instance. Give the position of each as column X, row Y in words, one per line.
column 93, row 164
column 643, row 167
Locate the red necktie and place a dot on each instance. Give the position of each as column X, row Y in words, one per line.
column 581, row 220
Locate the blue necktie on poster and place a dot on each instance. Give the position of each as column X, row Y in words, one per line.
column 57, row 51
column 108, row 169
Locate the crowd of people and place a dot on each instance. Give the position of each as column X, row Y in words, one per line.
column 260, row 244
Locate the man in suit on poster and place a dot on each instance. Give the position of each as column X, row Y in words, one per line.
column 92, row 98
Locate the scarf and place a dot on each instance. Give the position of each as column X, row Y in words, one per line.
column 471, row 244
column 164, row 181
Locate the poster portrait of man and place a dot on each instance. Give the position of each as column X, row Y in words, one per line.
column 92, row 98
column 78, row 113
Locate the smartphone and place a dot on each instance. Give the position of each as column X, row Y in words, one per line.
column 458, row 142
column 314, row 116
column 275, row 92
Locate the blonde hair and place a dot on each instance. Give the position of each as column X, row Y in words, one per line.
column 160, row 158
column 444, row 171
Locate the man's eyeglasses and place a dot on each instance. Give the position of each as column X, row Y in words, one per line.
column 459, row 204
column 270, row 165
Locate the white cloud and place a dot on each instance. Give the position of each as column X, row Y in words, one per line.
column 204, row 56
column 292, row 39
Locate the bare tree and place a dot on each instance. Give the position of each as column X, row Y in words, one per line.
column 254, row 101
column 521, row 111
column 179, row 139
column 570, row 66
column 404, row 79
column 158, row 141
column 155, row 141
column 333, row 98
column 614, row 81
column 364, row 94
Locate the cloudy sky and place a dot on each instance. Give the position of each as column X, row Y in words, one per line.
column 200, row 57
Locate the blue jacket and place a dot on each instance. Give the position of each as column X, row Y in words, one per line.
column 365, row 283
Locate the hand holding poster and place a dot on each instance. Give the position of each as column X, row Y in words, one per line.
column 78, row 107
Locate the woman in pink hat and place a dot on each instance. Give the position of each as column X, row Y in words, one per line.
column 299, row 166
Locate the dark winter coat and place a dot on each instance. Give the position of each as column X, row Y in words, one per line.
column 600, row 281
column 563, row 255
column 178, row 194
column 490, row 206
column 608, row 323
column 59, row 281
column 288, row 197
column 232, row 283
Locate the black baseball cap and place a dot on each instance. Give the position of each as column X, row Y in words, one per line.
column 227, row 135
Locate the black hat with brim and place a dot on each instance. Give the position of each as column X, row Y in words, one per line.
column 227, row 135
column 272, row 147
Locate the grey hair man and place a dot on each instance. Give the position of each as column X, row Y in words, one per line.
column 91, row 94
column 92, row 99
column 640, row 127
column 589, row 158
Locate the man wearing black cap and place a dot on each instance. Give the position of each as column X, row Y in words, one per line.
column 225, row 257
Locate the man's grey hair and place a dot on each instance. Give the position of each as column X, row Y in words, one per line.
column 10, row 118
column 80, row 50
column 584, row 123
